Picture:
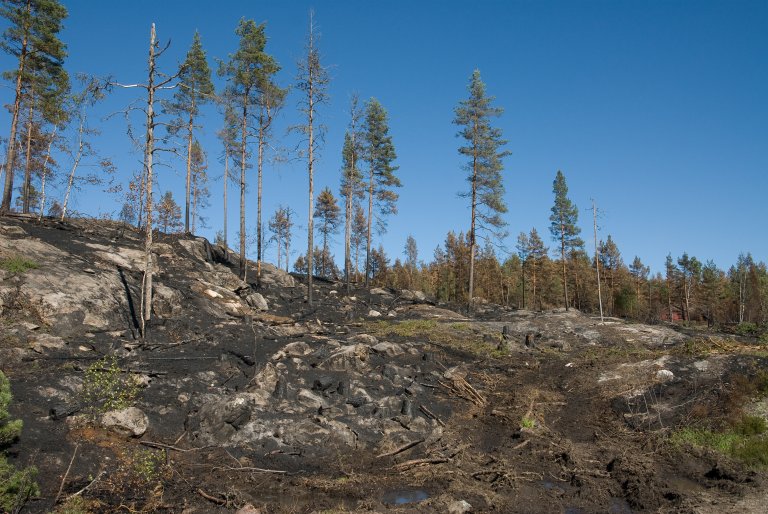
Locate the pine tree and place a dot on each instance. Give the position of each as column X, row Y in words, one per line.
column 610, row 261
column 352, row 187
column 411, row 253
column 270, row 100
column 358, row 237
column 200, row 192
column 168, row 214
column 532, row 252
column 329, row 217
column 484, row 166
column 32, row 39
column 313, row 80
column 229, row 139
column 563, row 226
column 194, row 90
column 280, row 225
column 246, row 72
column 379, row 154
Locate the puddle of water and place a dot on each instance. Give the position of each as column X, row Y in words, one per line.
column 403, row 496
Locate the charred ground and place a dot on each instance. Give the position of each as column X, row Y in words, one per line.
column 379, row 402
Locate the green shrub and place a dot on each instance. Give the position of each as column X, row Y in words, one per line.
column 527, row 422
column 17, row 264
column 105, row 387
column 147, row 465
column 9, row 429
column 16, row 487
column 746, row 441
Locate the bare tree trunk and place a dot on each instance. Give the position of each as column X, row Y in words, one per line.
column 226, row 180
column 472, row 239
column 146, row 298
column 259, row 164
column 75, row 164
column 347, row 242
column 311, row 161
column 562, row 258
column 194, row 205
column 244, row 134
column 368, row 237
column 25, row 190
column 597, row 261
column 189, row 168
column 310, row 223
column 5, row 206
column 44, row 174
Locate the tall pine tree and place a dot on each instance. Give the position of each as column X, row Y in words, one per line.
column 194, row 90
column 313, row 80
column 247, row 71
column 563, row 227
column 484, row 166
column 32, row 39
column 379, row 154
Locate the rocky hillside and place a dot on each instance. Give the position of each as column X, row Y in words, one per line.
column 243, row 398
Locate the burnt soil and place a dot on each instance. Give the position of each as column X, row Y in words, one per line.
column 292, row 410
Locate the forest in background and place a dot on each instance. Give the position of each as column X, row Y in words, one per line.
column 49, row 140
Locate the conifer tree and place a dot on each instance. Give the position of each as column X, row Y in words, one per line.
column 194, row 90
column 281, row 224
column 484, row 166
column 532, row 252
column 32, row 39
column 379, row 154
column 229, row 139
column 168, row 214
column 329, row 217
column 313, row 80
column 247, row 71
column 358, row 237
column 270, row 100
column 563, row 226
column 351, row 182
column 610, row 261
column 200, row 192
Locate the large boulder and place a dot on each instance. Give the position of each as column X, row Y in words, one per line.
column 130, row 421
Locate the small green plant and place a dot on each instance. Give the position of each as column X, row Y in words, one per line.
column 745, row 441
column 147, row 465
column 17, row 264
column 106, row 388
column 16, row 487
column 74, row 505
column 9, row 429
column 527, row 422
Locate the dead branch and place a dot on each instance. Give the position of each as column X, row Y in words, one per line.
column 521, row 445
column 251, row 469
column 162, row 446
column 207, row 496
column 431, row 414
column 460, row 387
column 81, row 491
column 66, row 474
column 401, row 449
column 419, row 462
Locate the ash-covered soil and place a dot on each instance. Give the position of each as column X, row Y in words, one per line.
column 380, row 401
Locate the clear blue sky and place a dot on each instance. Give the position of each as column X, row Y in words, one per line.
column 656, row 109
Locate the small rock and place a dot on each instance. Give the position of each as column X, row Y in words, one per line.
column 257, row 301
column 29, row 326
column 459, row 507
column 131, row 421
column 44, row 342
column 248, row 509
column 389, row 349
column 364, row 339
column 664, row 375
column 373, row 313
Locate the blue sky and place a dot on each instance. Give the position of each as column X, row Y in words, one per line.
column 656, row 109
